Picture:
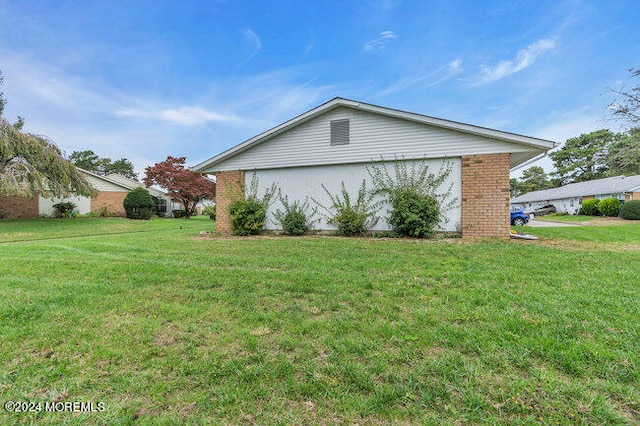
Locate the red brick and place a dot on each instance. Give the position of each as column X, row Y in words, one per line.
column 485, row 208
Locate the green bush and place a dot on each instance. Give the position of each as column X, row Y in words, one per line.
column 64, row 209
column 590, row 207
column 414, row 215
column 138, row 204
column 294, row 219
column 630, row 210
column 351, row 219
column 417, row 197
column 209, row 211
column 248, row 215
column 609, row 207
column 178, row 213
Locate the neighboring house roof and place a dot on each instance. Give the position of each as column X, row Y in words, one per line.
column 612, row 185
column 527, row 147
column 122, row 182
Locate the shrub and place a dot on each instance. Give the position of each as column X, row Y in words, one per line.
column 590, row 207
column 414, row 214
column 209, row 211
column 178, row 213
column 103, row 211
column 294, row 219
column 248, row 215
column 630, row 210
column 138, row 204
column 609, row 206
column 64, row 209
column 416, row 198
column 351, row 219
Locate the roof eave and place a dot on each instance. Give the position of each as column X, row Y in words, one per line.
column 540, row 144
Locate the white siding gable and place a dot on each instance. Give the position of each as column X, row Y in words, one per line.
column 372, row 137
column 104, row 185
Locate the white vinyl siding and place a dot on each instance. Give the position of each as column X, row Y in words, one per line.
column 45, row 205
column 299, row 183
column 104, row 185
column 371, row 137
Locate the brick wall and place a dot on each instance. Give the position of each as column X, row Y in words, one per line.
column 19, row 207
column 113, row 201
column 229, row 187
column 485, row 196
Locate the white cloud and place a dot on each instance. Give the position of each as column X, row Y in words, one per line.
column 380, row 42
column 432, row 78
column 524, row 58
column 254, row 41
column 185, row 116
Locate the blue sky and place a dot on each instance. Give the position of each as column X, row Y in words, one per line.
column 147, row 79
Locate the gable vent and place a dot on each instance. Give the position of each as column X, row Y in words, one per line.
column 339, row 132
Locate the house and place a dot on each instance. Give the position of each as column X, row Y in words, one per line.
column 336, row 141
column 569, row 198
column 112, row 190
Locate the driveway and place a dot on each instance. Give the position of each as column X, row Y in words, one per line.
column 547, row 224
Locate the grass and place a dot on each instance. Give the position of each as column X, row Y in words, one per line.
column 167, row 326
column 566, row 218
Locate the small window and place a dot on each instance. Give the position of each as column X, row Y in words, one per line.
column 339, row 132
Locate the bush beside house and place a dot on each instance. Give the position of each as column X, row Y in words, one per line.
column 138, row 204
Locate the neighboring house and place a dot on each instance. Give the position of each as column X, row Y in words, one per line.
column 336, row 141
column 112, row 190
column 569, row 198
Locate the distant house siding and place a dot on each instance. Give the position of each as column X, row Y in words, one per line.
column 113, row 201
column 45, row 205
column 306, row 183
column 18, row 207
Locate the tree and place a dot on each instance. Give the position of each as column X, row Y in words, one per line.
column 3, row 101
column 623, row 156
column 583, row 158
column 182, row 184
column 90, row 161
column 31, row 164
column 533, row 179
column 627, row 105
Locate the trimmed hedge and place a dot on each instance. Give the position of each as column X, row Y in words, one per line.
column 630, row 210
column 609, row 207
column 138, row 204
column 590, row 207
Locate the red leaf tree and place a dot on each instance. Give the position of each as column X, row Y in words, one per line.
column 181, row 184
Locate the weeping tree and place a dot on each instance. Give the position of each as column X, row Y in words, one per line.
column 32, row 164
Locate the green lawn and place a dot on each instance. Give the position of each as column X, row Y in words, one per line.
column 567, row 218
column 168, row 326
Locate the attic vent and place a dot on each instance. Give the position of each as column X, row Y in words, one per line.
column 339, row 132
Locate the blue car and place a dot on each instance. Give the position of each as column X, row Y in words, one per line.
column 519, row 217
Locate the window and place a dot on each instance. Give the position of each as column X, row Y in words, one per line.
column 340, row 132
column 160, row 205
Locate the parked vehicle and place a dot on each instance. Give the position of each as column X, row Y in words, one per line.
column 519, row 217
column 542, row 210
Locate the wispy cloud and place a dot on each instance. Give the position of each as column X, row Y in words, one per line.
column 308, row 49
column 254, row 41
column 524, row 59
column 185, row 116
column 380, row 42
column 430, row 79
